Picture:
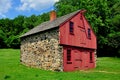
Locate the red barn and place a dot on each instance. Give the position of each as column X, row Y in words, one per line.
column 71, row 40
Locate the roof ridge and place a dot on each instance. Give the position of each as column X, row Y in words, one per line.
column 52, row 24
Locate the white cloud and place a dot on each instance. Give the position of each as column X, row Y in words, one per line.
column 5, row 5
column 35, row 4
column 2, row 15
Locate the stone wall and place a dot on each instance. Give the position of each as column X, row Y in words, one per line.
column 43, row 51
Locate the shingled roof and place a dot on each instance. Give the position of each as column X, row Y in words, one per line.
column 50, row 24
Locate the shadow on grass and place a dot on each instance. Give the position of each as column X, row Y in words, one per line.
column 7, row 77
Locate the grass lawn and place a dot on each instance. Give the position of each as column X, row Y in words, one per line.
column 11, row 69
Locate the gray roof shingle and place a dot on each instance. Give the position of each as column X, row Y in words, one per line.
column 50, row 24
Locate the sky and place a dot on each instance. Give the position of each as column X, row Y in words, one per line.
column 13, row 8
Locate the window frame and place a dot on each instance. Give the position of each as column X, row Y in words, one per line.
column 71, row 27
column 89, row 33
column 91, row 57
column 68, row 55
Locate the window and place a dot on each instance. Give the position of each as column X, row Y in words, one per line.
column 89, row 33
column 91, row 57
column 68, row 55
column 71, row 27
column 81, row 16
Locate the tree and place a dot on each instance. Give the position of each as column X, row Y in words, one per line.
column 114, row 35
column 12, row 29
column 2, row 38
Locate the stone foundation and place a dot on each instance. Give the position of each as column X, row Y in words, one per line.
column 42, row 51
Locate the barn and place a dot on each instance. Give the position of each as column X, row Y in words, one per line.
column 67, row 43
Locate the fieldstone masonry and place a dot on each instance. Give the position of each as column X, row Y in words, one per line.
column 43, row 51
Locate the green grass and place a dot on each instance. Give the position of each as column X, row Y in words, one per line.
column 11, row 69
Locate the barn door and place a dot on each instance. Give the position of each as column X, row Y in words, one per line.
column 85, row 60
column 68, row 63
column 77, row 60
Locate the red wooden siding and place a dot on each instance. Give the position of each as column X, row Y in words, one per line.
column 79, row 43
column 79, row 37
column 80, row 59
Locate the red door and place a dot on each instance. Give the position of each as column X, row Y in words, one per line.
column 85, row 60
column 67, row 59
column 77, row 60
